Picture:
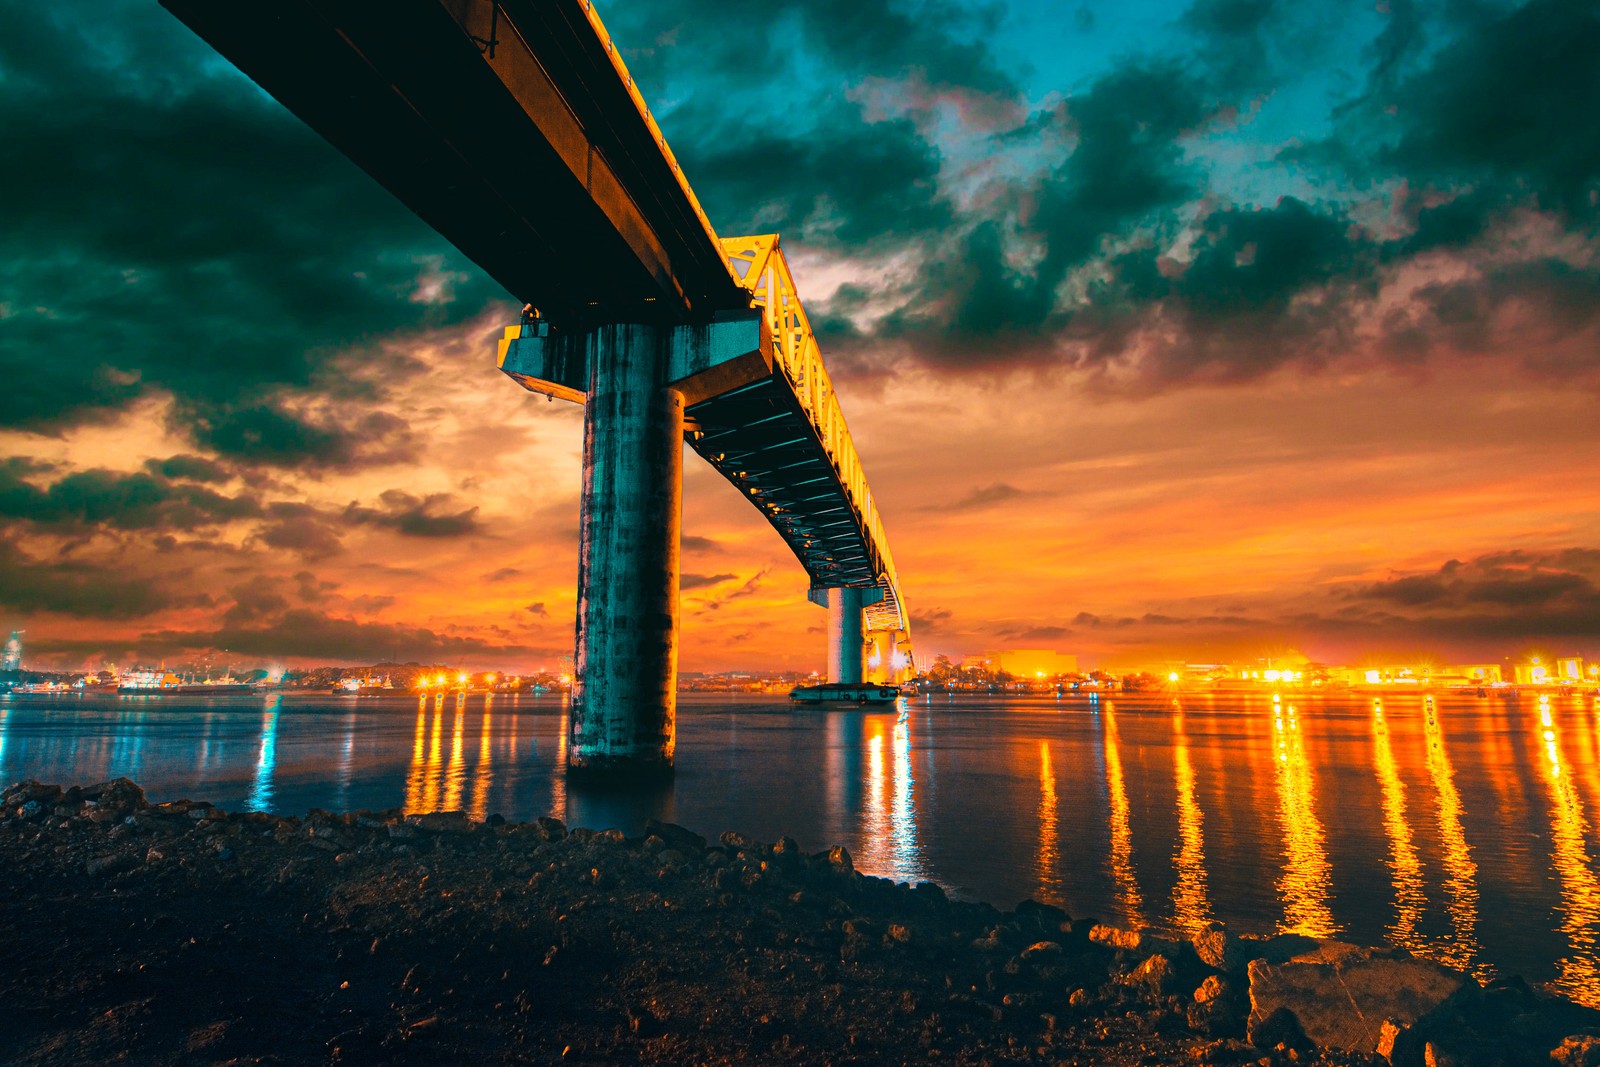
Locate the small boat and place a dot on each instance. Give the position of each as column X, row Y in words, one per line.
column 845, row 693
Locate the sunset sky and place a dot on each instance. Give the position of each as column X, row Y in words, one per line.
column 1163, row 331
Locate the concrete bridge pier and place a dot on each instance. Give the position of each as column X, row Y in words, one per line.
column 845, row 647
column 624, row 696
column 635, row 382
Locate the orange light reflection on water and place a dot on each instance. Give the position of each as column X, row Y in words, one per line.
column 1191, row 902
column 456, row 772
column 888, row 823
column 1048, row 862
column 558, row 780
column 478, row 808
column 1303, row 883
column 1121, row 858
column 436, row 780
column 1461, row 873
column 417, row 772
column 1577, row 973
column 1405, row 868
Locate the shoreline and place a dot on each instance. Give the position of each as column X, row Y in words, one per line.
column 178, row 933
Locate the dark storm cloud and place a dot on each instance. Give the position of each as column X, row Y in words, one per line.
column 302, row 530
column 696, row 543
column 1122, row 163
column 1510, row 102
column 138, row 501
column 303, row 633
column 703, row 581
column 817, row 163
column 751, row 586
column 1035, row 633
column 1262, row 287
column 981, row 497
column 1235, row 38
column 414, row 516
column 258, row 598
column 79, row 590
column 189, row 468
column 938, row 42
column 1518, row 583
column 1477, row 606
column 1073, row 265
column 167, row 228
column 1544, row 311
column 267, row 433
column 310, row 588
column 766, row 177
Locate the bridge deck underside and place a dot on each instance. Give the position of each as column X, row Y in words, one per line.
column 759, row 439
column 531, row 157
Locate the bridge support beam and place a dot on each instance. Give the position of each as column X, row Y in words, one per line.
column 635, row 382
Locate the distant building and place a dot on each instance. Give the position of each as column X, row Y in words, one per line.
column 1479, row 673
column 1023, row 662
column 1567, row 670
column 11, row 659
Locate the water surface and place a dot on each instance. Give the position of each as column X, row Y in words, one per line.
column 1456, row 826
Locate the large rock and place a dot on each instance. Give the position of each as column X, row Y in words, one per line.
column 1342, row 995
column 1579, row 1050
column 1230, row 954
column 1137, row 943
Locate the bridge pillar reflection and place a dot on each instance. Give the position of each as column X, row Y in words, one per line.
column 635, row 381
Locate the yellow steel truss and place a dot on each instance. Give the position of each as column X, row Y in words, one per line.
column 760, row 266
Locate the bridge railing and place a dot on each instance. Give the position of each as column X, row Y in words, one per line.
column 760, row 266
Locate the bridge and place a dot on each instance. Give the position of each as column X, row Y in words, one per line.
column 513, row 128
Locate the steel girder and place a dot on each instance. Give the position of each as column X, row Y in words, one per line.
column 800, row 431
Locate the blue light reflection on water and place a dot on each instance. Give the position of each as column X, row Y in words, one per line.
column 1459, row 827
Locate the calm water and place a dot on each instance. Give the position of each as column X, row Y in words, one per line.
column 1460, row 828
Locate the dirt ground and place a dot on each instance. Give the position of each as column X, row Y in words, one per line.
column 178, row 934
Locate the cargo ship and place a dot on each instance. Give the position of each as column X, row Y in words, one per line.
column 146, row 682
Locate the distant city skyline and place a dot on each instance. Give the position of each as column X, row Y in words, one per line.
column 1164, row 333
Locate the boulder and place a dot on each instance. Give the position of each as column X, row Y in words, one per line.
column 1218, row 1008
column 1579, row 1050
column 1341, row 995
column 1504, row 1022
column 1041, row 950
column 1135, row 942
column 676, row 837
column 115, row 863
column 1221, row 951
column 441, row 822
column 1045, row 918
column 1156, row 972
column 119, row 795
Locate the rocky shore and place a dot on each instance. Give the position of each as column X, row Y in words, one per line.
column 177, row 933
